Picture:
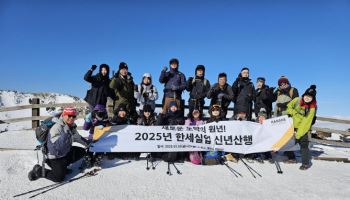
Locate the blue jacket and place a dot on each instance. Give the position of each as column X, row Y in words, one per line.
column 175, row 83
column 60, row 139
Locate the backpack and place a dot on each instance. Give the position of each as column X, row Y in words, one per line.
column 42, row 131
column 205, row 81
column 195, row 157
column 212, row 157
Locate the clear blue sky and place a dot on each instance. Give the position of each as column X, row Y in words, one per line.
column 49, row 45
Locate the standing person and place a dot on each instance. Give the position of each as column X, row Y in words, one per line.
column 282, row 95
column 174, row 84
column 123, row 85
column 99, row 86
column 146, row 92
column 221, row 94
column 243, row 92
column 61, row 152
column 263, row 98
column 198, row 88
column 303, row 112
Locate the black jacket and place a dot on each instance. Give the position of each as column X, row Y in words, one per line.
column 99, row 88
column 226, row 98
column 171, row 119
column 198, row 87
column 263, row 99
column 243, row 92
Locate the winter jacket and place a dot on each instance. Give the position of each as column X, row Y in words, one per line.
column 192, row 122
column 61, row 138
column 124, row 91
column 243, row 92
column 175, row 83
column 151, row 121
column 263, row 99
column 227, row 95
column 302, row 114
column 100, row 89
column 282, row 98
column 151, row 93
column 171, row 118
column 90, row 124
column 198, row 88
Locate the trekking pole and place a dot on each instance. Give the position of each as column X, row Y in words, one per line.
column 278, row 167
column 177, row 170
column 169, row 172
column 55, row 184
column 250, row 168
column 232, row 170
column 88, row 174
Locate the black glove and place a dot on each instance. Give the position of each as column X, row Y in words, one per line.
column 136, row 88
column 93, row 67
column 190, row 79
column 283, row 106
column 165, row 69
column 145, row 95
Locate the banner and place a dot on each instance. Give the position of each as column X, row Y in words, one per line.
column 230, row 136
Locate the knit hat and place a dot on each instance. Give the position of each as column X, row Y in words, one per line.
column 174, row 60
column 172, row 103
column 244, row 68
column 260, row 79
column 121, row 107
column 147, row 108
column 223, row 74
column 200, row 67
column 100, row 108
column 283, row 79
column 123, row 65
column 311, row 91
column 70, row 111
column 262, row 113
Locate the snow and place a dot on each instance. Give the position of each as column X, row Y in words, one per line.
column 130, row 180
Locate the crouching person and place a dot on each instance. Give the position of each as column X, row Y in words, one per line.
column 61, row 152
column 303, row 112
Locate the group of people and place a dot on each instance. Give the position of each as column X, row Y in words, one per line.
column 249, row 101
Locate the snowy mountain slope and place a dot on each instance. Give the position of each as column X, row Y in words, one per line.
column 14, row 98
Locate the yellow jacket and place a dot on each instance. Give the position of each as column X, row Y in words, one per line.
column 302, row 114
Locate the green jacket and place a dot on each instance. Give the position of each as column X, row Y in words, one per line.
column 124, row 91
column 302, row 114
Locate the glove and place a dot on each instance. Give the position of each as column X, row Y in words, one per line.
column 93, row 67
column 282, row 105
column 221, row 95
column 145, row 95
column 165, row 69
column 190, row 79
column 136, row 88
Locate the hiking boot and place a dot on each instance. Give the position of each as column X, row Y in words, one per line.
column 290, row 161
column 304, row 167
column 35, row 173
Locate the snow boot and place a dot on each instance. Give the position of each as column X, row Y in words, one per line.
column 35, row 173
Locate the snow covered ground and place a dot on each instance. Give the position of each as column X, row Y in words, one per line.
column 130, row 180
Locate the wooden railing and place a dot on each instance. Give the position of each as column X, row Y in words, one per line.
column 36, row 118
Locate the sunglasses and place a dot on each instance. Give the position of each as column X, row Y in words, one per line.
column 72, row 116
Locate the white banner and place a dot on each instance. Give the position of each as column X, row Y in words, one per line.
column 230, row 136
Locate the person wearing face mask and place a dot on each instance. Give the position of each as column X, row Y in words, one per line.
column 243, row 92
column 303, row 112
column 123, row 85
column 282, row 95
column 146, row 92
column 99, row 86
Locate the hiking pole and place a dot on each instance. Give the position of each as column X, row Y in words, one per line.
column 232, row 170
column 177, row 170
column 52, row 185
column 250, row 168
column 169, row 172
column 278, row 167
column 88, row 174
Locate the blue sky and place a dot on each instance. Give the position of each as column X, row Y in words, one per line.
column 49, row 45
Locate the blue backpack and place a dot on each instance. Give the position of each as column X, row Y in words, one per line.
column 212, row 157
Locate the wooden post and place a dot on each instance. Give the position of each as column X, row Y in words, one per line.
column 35, row 112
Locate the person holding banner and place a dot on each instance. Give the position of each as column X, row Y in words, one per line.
column 221, row 94
column 303, row 112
